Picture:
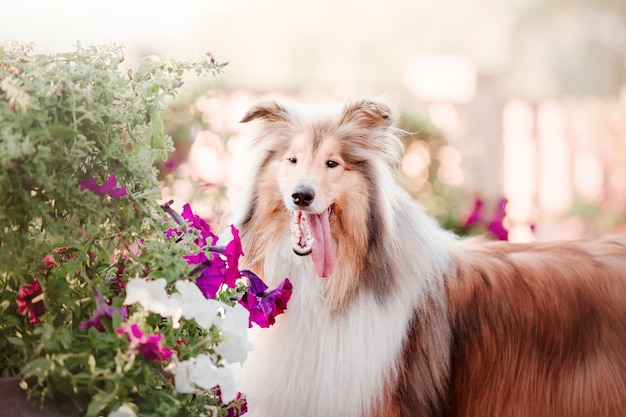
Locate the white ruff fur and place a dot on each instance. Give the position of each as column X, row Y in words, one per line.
column 349, row 355
column 317, row 360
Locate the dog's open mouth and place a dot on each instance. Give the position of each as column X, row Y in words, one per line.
column 310, row 235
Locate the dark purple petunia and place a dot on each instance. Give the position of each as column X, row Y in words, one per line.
column 109, row 187
column 167, row 207
column 265, row 305
column 212, row 277
column 103, row 310
column 212, row 272
column 146, row 345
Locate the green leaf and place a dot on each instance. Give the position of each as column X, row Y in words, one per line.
column 62, row 132
column 38, row 368
column 99, row 402
column 16, row 341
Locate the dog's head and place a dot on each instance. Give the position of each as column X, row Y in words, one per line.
column 323, row 162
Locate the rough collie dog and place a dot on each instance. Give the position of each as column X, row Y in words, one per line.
column 392, row 316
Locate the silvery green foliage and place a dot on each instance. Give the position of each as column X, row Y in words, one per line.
column 70, row 122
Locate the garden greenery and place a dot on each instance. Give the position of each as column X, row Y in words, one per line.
column 100, row 296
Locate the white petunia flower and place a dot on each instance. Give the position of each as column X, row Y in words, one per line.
column 182, row 374
column 196, row 306
column 152, row 296
column 201, row 372
column 123, row 411
column 235, row 345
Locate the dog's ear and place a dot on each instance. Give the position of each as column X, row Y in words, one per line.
column 367, row 114
column 269, row 110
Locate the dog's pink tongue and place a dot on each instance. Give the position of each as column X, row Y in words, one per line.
column 322, row 252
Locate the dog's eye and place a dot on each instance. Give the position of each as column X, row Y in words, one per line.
column 331, row 164
column 292, row 160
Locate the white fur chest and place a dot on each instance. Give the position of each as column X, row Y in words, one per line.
column 317, row 363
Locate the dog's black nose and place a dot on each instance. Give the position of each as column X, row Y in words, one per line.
column 303, row 196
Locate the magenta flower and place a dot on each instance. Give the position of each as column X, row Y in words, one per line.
column 103, row 310
column 496, row 225
column 200, row 224
column 217, row 271
column 109, row 187
column 170, row 164
column 232, row 252
column 475, row 215
column 29, row 301
column 265, row 305
column 237, row 407
column 148, row 346
column 173, row 232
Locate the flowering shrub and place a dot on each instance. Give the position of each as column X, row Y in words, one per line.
column 111, row 303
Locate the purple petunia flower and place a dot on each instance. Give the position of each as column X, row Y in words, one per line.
column 109, row 187
column 211, row 278
column 265, row 305
column 103, row 309
column 167, row 207
column 148, row 346
column 212, row 272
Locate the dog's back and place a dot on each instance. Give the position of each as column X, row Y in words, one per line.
column 538, row 330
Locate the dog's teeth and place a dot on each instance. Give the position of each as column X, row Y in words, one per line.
column 309, row 243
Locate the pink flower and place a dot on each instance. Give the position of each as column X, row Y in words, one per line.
column 102, row 310
column 265, row 305
column 49, row 260
column 146, row 345
column 109, row 187
column 30, row 301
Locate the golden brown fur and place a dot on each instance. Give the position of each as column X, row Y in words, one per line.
column 414, row 321
column 539, row 329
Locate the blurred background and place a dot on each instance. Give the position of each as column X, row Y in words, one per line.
column 516, row 108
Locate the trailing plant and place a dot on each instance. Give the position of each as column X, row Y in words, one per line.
column 111, row 301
